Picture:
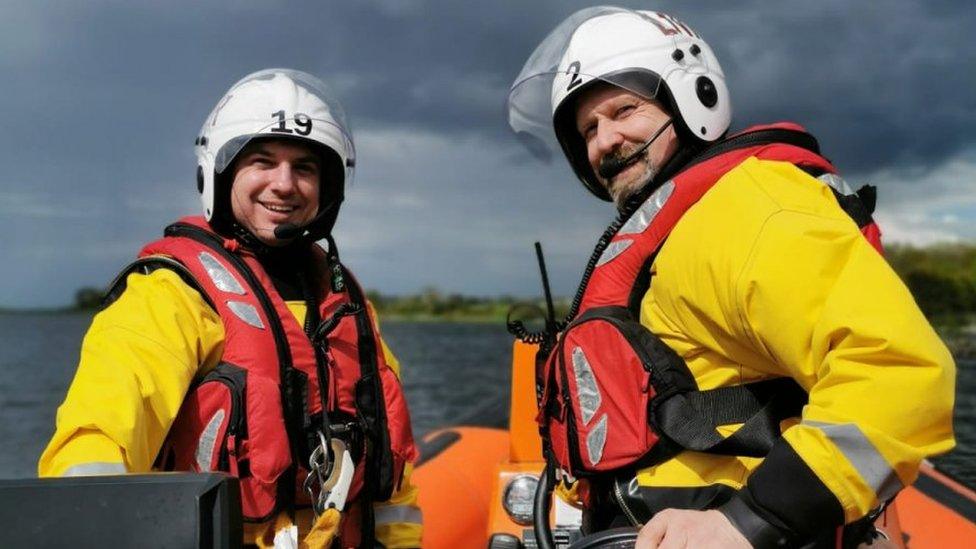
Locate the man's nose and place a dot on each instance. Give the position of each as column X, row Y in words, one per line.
column 283, row 178
column 607, row 137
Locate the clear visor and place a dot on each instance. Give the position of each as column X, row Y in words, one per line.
column 264, row 105
column 560, row 68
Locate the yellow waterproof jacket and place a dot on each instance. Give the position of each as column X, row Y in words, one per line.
column 138, row 360
column 767, row 277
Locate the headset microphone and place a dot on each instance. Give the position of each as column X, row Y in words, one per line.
column 610, row 167
column 287, row 231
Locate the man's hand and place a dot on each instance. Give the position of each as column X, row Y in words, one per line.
column 676, row 529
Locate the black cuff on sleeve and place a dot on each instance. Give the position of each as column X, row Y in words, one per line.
column 785, row 491
column 760, row 532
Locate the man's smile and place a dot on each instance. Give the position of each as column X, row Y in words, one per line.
column 278, row 208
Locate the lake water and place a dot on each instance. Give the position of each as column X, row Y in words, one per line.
column 453, row 373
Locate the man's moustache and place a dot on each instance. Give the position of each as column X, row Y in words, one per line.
column 612, row 164
column 615, row 162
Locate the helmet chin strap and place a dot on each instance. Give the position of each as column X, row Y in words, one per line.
column 288, row 231
column 610, row 167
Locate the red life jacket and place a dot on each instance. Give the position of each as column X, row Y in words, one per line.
column 614, row 395
column 258, row 413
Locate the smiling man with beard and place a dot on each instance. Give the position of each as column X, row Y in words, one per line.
column 741, row 367
column 615, row 124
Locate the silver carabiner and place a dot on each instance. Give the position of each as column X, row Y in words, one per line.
column 319, row 464
column 331, row 468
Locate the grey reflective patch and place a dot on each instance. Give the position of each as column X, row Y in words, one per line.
column 221, row 277
column 596, row 440
column 246, row 312
column 94, row 468
column 208, row 440
column 613, row 250
column 837, row 183
column 587, row 390
column 389, row 514
column 642, row 218
column 870, row 464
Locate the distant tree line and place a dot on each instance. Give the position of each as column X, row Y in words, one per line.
column 88, row 298
column 431, row 303
column 941, row 277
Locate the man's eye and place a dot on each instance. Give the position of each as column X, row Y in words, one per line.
column 625, row 111
column 589, row 132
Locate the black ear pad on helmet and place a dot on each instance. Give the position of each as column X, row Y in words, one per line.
column 706, row 91
column 200, row 179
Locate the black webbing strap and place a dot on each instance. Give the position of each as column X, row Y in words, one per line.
column 755, row 138
column 690, row 419
column 146, row 265
column 854, row 204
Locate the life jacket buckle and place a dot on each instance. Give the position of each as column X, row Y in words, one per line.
column 330, row 474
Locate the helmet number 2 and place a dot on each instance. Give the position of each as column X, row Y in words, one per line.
column 574, row 69
column 303, row 123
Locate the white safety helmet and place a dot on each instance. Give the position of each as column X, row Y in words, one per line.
column 648, row 53
column 279, row 104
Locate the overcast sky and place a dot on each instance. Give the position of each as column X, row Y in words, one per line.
column 101, row 101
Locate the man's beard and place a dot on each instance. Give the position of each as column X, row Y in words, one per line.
column 621, row 192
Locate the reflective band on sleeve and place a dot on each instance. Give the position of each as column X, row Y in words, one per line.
column 596, row 440
column 613, row 250
column 836, row 182
column 221, row 277
column 642, row 218
column 389, row 514
column 208, row 440
column 870, row 464
column 95, row 468
column 246, row 312
column 587, row 390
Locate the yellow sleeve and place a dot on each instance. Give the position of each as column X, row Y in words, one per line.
column 391, row 359
column 399, row 521
column 137, row 361
column 825, row 307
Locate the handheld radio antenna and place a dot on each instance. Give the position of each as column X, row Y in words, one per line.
column 550, row 310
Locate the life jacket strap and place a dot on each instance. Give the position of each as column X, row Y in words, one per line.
column 690, row 419
column 146, row 265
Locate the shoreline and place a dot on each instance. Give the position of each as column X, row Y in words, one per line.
column 961, row 342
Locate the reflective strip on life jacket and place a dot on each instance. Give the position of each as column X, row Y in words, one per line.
column 578, row 420
column 263, row 338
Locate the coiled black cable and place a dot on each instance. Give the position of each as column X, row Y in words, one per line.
column 601, row 245
column 517, row 327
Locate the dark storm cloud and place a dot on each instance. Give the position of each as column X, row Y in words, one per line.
column 101, row 101
column 880, row 83
column 876, row 83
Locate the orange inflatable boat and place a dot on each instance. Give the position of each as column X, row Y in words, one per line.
column 476, row 486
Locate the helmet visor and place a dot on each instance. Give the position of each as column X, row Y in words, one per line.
column 573, row 58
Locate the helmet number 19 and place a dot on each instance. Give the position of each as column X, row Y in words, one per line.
column 302, row 121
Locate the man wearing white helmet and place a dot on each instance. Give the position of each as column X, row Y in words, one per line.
column 236, row 343
column 712, row 381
